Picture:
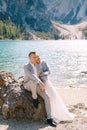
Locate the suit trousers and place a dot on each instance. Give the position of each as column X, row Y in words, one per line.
column 46, row 98
column 34, row 88
column 31, row 86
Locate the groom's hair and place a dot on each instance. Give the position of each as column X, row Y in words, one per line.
column 32, row 52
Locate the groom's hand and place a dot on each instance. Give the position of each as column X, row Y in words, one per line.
column 42, row 87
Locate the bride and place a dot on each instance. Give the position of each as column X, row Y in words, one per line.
column 59, row 111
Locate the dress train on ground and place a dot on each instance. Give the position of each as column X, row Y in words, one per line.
column 59, row 111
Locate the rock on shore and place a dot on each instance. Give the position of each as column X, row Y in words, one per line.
column 16, row 102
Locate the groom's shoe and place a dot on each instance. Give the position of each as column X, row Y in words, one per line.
column 51, row 122
column 35, row 103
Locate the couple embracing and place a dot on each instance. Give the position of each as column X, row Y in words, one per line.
column 37, row 81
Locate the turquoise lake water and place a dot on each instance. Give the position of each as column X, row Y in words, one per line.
column 67, row 59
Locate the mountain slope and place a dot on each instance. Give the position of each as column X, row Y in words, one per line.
column 31, row 14
column 78, row 31
column 67, row 11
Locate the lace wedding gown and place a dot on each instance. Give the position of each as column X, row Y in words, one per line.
column 59, row 111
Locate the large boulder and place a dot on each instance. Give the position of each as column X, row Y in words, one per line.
column 16, row 102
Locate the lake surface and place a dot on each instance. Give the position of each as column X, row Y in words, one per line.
column 67, row 59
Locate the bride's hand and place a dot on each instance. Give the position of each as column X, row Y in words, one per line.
column 42, row 88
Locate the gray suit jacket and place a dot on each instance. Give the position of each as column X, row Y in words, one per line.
column 29, row 74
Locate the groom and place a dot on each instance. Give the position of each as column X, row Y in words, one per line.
column 33, row 83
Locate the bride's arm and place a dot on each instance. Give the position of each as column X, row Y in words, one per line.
column 47, row 71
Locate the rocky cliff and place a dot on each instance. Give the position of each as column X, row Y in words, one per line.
column 31, row 14
column 67, row 11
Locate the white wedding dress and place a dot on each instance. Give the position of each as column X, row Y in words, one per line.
column 59, row 111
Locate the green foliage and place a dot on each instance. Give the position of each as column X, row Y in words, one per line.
column 47, row 36
column 10, row 31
